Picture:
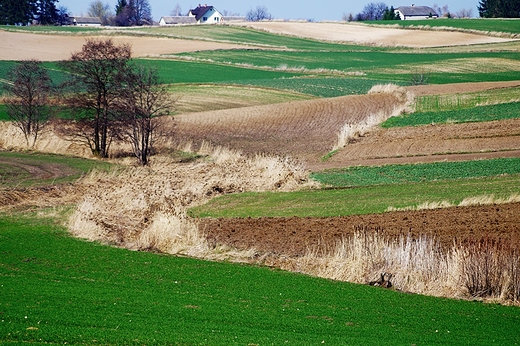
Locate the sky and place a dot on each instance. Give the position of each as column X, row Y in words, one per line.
column 279, row 9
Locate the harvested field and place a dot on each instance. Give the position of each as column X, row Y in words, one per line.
column 362, row 34
column 297, row 236
column 46, row 47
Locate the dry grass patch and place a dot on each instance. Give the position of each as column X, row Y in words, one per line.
column 466, row 202
column 145, row 207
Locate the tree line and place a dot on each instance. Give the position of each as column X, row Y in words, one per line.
column 46, row 12
column 486, row 9
column 107, row 98
column 499, row 8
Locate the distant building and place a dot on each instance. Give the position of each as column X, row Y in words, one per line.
column 85, row 21
column 177, row 20
column 206, row 15
column 416, row 12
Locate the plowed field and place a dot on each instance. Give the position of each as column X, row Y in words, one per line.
column 305, row 130
column 295, row 236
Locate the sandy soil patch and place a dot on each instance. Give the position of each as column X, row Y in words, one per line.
column 24, row 46
column 362, row 34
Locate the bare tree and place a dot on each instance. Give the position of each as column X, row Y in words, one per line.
column 465, row 13
column 177, row 10
column 96, row 75
column 142, row 102
column 374, row 11
column 28, row 104
column 98, row 9
column 140, row 12
column 258, row 14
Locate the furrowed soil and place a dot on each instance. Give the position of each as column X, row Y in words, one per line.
column 296, row 236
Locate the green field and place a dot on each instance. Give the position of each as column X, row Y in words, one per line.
column 476, row 114
column 3, row 113
column 416, row 173
column 59, row 290
column 369, row 190
column 355, row 201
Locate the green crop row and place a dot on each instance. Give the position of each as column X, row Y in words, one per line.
column 59, row 290
column 477, row 114
column 416, row 173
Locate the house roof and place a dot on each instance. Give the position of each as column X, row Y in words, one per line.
column 416, row 11
column 86, row 20
column 200, row 11
column 178, row 20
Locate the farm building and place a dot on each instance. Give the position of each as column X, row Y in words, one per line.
column 177, row 20
column 85, row 21
column 206, row 15
column 416, row 12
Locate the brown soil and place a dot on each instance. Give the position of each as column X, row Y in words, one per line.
column 430, row 143
column 295, row 236
column 305, row 130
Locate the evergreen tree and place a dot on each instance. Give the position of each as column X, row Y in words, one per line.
column 121, row 4
column 390, row 14
column 17, row 11
column 46, row 12
column 499, row 8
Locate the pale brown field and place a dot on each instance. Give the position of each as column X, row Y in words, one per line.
column 381, row 36
column 46, row 47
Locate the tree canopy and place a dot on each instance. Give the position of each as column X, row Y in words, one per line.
column 499, row 8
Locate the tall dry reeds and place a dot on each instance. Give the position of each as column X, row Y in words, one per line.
column 351, row 131
column 145, row 207
column 483, row 269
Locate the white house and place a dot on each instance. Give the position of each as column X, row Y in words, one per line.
column 416, row 12
column 206, row 15
column 177, row 20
